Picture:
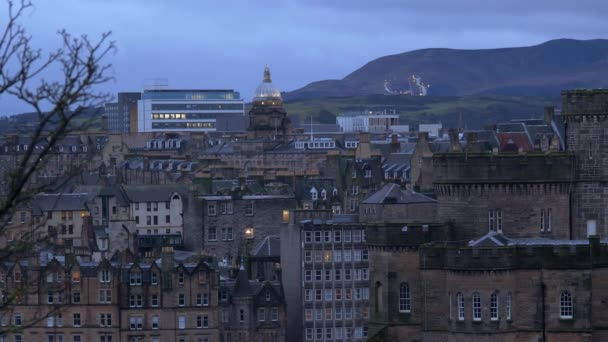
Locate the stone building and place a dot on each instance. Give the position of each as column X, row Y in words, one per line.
column 514, row 251
column 267, row 117
column 179, row 298
column 252, row 310
column 585, row 113
column 233, row 225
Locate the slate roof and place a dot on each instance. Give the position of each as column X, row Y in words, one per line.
column 494, row 239
column 392, row 193
column 512, row 142
column 269, row 247
column 152, row 193
column 64, row 201
column 514, row 127
column 397, row 162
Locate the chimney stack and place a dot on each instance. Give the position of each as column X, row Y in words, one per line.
column 395, row 144
column 472, row 143
column 166, row 265
column 454, row 141
column 549, row 113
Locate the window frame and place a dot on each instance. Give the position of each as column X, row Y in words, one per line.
column 405, row 300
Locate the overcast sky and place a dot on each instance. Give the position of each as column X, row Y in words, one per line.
column 225, row 44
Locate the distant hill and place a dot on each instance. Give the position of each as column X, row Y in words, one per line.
column 453, row 111
column 540, row 70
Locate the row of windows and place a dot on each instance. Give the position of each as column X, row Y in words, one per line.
column 187, row 116
column 136, row 322
column 338, row 333
column 197, row 106
column 495, row 220
column 152, row 206
column 226, row 234
column 153, row 220
column 337, row 236
column 274, row 314
column 346, row 255
column 178, row 125
column 226, row 208
column 325, row 295
column 337, row 274
column 477, row 308
column 338, row 314
column 314, row 194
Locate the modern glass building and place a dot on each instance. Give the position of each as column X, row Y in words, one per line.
column 166, row 110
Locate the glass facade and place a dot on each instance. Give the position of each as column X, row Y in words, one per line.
column 197, row 106
column 186, row 116
column 183, row 125
column 191, row 95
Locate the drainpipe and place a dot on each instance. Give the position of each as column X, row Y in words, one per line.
column 543, row 291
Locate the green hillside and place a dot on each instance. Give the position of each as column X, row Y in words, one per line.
column 541, row 70
column 475, row 111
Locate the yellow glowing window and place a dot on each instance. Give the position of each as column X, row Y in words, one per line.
column 327, row 256
column 249, row 233
column 76, row 277
column 285, row 216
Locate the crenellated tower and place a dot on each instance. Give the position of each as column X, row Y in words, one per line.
column 585, row 113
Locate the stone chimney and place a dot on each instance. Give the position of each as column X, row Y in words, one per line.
column 549, row 113
column 166, row 265
column 454, row 141
column 473, row 145
column 395, row 144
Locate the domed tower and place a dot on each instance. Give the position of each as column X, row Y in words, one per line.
column 267, row 117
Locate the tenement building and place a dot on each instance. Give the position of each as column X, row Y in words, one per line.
column 179, row 298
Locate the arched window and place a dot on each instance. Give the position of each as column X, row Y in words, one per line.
column 405, row 303
column 476, row 307
column 323, row 194
column 565, row 305
column 460, row 300
column 494, row 306
column 508, row 305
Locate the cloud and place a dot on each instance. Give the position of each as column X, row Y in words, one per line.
column 226, row 44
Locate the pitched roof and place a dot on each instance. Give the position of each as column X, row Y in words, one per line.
column 62, row 201
column 152, row 193
column 269, row 247
column 392, row 193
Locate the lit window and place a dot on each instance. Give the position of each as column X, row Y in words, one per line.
column 285, row 216
column 249, row 233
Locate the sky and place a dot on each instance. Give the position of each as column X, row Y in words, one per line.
column 226, row 44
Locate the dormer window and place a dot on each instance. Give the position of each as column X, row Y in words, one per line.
column 17, row 276
column 73, row 148
column 368, row 173
column 334, row 192
column 135, row 278
column 324, row 194
column 314, row 194
column 104, row 276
